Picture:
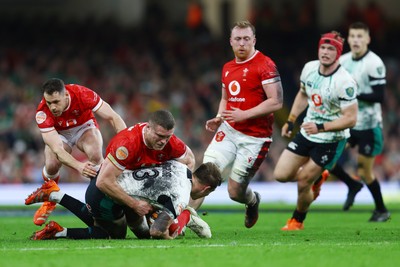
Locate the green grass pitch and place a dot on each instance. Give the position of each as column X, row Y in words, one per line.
column 331, row 238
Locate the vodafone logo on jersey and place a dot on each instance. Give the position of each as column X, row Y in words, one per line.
column 234, row 88
column 121, row 153
column 40, row 117
column 316, row 99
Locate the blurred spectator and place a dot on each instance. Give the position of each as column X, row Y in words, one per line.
column 194, row 17
column 375, row 19
column 352, row 13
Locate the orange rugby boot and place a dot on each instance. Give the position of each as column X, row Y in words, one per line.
column 316, row 188
column 42, row 194
column 48, row 232
column 293, row 225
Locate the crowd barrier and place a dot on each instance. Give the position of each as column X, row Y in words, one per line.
column 271, row 192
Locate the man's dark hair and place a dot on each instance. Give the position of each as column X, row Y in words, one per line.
column 209, row 174
column 359, row 26
column 163, row 118
column 53, row 85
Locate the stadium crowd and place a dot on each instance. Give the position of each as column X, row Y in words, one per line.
column 161, row 64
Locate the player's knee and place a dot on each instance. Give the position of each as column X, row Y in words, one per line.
column 140, row 229
column 280, row 176
column 240, row 175
column 237, row 189
column 115, row 229
column 304, row 183
column 215, row 157
column 96, row 158
column 234, row 195
column 281, row 179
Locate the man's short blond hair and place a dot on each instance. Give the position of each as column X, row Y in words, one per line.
column 244, row 24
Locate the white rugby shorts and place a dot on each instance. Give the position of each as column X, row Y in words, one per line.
column 244, row 152
column 72, row 135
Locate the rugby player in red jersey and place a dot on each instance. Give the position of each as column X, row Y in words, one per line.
column 136, row 154
column 66, row 118
column 251, row 93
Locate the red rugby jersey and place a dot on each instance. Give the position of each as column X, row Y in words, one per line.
column 83, row 102
column 243, row 83
column 127, row 149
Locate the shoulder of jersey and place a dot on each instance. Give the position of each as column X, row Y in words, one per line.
column 311, row 64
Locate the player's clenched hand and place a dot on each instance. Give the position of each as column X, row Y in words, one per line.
column 88, row 169
column 213, row 124
column 142, row 208
column 287, row 129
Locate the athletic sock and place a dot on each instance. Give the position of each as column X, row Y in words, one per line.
column 86, row 233
column 343, row 176
column 63, row 233
column 181, row 221
column 78, row 208
column 299, row 216
column 375, row 190
column 253, row 200
column 46, row 177
column 56, row 196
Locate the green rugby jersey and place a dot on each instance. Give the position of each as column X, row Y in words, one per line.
column 367, row 71
column 327, row 96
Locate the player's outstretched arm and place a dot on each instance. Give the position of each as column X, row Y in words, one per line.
column 107, row 113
